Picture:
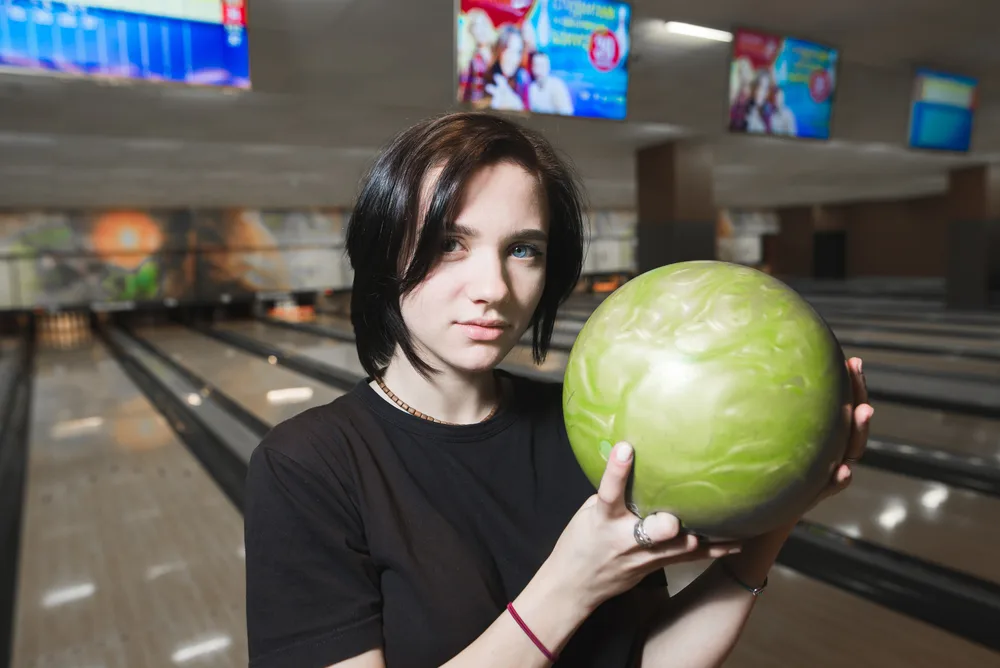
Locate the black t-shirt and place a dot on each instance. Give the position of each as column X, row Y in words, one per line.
column 369, row 527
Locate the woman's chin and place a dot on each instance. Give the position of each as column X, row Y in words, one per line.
column 480, row 359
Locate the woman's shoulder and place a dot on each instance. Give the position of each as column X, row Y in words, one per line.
column 316, row 441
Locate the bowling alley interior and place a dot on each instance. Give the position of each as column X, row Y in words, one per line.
column 181, row 184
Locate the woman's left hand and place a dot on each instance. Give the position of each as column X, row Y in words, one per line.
column 861, row 415
column 764, row 549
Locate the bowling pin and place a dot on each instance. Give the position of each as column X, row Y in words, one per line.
column 544, row 31
column 621, row 33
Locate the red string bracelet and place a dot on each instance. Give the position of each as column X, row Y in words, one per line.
column 524, row 627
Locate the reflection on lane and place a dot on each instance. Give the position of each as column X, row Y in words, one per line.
column 926, row 519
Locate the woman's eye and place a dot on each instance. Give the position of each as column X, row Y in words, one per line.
column 524, row 251
column 449, row 245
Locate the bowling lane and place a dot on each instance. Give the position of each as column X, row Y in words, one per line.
column 987, row 369
column 925, row 519
column 130, row 554
column 320, row 348
column 273, row 393
column 854, row 344
column 946, row 344
column 892, row 510
column 834, row 307
column 965, row 434
column 823, row 619
column 978, row 331
column 892, row 309
column 930, row 361
column 801, row 622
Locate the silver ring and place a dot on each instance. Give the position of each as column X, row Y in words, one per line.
column 641, row 537
column 850, row 460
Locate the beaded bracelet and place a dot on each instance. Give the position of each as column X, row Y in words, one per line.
column 524, row 627
column 756, row 591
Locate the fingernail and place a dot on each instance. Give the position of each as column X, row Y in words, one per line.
column 624, row 452
column 861, row 366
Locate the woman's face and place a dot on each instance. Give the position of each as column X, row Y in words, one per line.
column 480, row 29
column 510, row 58
column 491, row 272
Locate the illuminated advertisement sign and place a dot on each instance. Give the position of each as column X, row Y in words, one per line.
column 564, row 57
column 781, row 86
column 198, row 42
column 943, row 109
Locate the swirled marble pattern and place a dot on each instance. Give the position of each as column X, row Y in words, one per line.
column 727, row 383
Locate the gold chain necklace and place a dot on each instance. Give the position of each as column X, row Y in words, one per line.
column 413, row 411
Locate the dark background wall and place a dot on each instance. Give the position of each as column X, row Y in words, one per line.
column 904, row 238
column 896, row 238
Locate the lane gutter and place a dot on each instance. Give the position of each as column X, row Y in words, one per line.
column 222, row 463
column 15, row 404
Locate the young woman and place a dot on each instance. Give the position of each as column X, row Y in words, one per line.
column 435, row 515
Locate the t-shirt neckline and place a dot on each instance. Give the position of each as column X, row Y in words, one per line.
column 503, row 418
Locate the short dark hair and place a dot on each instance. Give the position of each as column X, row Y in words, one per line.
column 384, row 225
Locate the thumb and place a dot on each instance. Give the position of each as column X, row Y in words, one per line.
column 611, row 491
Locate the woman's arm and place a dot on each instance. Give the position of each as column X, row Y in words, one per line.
column 701, row 625
column 550, row 609
column 595, row 558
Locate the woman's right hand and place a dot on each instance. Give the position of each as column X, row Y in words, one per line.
column 597, row 555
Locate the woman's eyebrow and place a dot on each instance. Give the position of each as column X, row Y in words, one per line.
column 527, row 234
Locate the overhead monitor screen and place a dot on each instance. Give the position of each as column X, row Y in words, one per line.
column 197, row 42
column 781, row 86
column 944, row 106
column 565, row 57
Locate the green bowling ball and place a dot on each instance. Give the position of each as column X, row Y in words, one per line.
column 733, row 391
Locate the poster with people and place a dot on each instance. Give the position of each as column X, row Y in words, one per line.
column 781, row 86
column 563, row 57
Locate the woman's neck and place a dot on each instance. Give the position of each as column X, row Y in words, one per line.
column 447, row 396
